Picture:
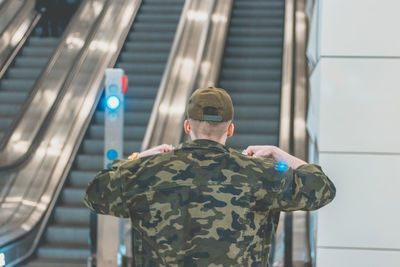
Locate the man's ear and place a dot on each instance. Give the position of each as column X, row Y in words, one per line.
column 186, row 127
column 231, row 129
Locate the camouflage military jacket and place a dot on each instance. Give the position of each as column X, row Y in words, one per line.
column 205, row 204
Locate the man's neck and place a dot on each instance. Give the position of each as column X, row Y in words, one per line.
column 222, row 141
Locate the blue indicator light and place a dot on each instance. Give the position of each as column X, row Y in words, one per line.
column 113, row 102
column 282, row 166
column 108, row 165
column 112, row 154
column 113, row 88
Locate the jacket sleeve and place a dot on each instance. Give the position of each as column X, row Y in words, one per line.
column 105, row 194
column 306, row 188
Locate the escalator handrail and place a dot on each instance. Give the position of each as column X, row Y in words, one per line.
column 161, row 89
column 9, row 155
column 8, row 11
column 15, row 32
column 164, row 111
column 13, row 168
column 104, row 50
column 215, row 45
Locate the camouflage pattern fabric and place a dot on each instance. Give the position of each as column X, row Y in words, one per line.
column 205, row 204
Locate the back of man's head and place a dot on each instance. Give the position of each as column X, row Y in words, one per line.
column 210, row 113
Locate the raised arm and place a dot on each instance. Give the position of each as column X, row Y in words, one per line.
column 106, row 193
column 304, row 186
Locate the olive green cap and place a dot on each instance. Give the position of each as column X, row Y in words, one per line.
column 210, row 104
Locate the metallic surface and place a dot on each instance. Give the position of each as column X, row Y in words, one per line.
column 49, row 85
column 9, row 9
column 287, row 77
column 301, row 243
column 36, row 184
column 107, row 241
column 180, row 74
column 17, row 19
column 210, row 65
column 282, row 255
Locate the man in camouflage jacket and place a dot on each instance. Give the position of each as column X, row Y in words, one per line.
column 203, row 203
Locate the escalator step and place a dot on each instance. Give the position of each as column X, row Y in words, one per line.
column 258, row 127
column 12, row 97
column 152, row 36
column 4, row 123
column 96, row 147
column 89, row 162
column 155, row 28
column 8, row 110
column 27, row 62
column 139, row 58
column 261, row 5
column 63, row 251
column 16, row 85
column 97, row 132
column 241, row 141
column 258, row 23
column 73, row 196
column 246, row 74
column 261, row 99
column 272, row 63
column 251, row 86
column 130, row 118
column 260, row 31
column 71, row 215
column 254, row 41
column 156, row 18
column 56, row 262
column 38, row 41
column 36, row 51
column 257, row 13
column 80, row 178
column 67, row 234
column 256, row 112
column 23, row 73
column 147, row 47
column 154, row 67
column 275, row 52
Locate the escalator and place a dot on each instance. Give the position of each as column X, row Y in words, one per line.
column 28, row 60
column 20, row 77
column 143, row 57
column 251, row 70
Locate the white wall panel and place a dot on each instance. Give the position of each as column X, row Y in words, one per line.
column 365, row 212
column 314, row 103
column 360, row 28
column 360, row 105
column 357, row 258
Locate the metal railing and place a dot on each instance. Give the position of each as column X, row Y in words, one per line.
column 293, row 132
column 17, row 20
column 23, row 135
column 180, row 74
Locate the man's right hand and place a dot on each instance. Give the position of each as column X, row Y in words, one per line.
column 275, row 153
column 156, row 150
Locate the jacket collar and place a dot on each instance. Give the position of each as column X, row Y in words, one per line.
column 205, row 143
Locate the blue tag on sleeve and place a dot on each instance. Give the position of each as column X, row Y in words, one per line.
column 282, row 166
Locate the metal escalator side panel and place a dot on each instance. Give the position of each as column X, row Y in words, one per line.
column 46, row 170
column 212, row 58
column 180, row 75
column 8, row 10
column 17, row 19
column 20, row 139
